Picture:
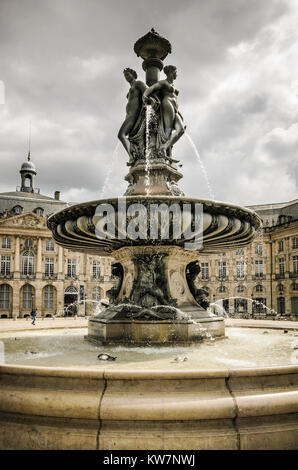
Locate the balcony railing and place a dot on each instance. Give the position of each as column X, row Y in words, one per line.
column 6, row 276
column 50, row 277
column 27, row 276
column 280, row 276
column 73, row 277
column 293, row 275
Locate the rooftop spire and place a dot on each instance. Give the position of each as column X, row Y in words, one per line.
column 29, row 143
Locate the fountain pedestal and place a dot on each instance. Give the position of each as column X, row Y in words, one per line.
column 154, row 304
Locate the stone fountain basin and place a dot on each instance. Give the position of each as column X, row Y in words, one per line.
column 114, row 408
column 224, row 226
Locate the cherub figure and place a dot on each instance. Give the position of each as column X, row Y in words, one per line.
column 133, row 108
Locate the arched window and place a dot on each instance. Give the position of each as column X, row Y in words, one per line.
column 28, row 263
column 96, row 294
column 49, row 297
column 4, row 296
column 27, row 297
column 71, row 290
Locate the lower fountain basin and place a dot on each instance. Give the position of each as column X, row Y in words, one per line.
column 219, row 398
column 152, row 332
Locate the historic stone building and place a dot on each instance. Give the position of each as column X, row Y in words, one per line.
column 261, row 279
column 35, row 272
column 255, row 281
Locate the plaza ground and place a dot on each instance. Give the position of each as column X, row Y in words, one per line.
column 82, row 322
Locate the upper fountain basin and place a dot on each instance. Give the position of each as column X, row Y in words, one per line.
column 222, row 226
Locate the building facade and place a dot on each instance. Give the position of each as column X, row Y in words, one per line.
column 260, row 280
column 35, row 272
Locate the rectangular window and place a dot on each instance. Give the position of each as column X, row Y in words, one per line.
column 281, row 245
column 49, row 298
column 295, row 243
column 96, row 269
column 295, row 264
column 6, row 243
column 222, row 269
column 4, row 297
column 28, row 264
column 259, row 268
column 49, row 245
column 240, row 269
column 281, row 266
column 5, row 264
column 205, row 270
column 240, row 252
column 71, row 267
column 49, row 266
column 258, row 250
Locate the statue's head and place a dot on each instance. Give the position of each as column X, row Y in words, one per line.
column 170, row 70
column 130, row 74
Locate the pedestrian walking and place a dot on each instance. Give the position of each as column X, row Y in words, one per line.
column 33, row 315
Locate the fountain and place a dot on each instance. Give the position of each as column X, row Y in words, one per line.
column 164, row 387
column 155, row 233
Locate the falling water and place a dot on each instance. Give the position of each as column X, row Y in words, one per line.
column 147, row 152
column 211, row 193
column 109, row 172
column 252, row 301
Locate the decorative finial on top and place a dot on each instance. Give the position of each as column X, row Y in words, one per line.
column 152, row 45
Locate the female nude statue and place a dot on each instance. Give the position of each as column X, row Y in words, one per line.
column 165, row 92
column 133, row 108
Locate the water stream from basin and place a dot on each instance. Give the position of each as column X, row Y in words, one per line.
column 111, row 166
column 205, row 174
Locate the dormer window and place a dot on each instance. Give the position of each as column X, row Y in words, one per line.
column 17, row 210
column 39, row 211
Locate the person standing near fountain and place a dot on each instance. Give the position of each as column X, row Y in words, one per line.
column 133, row 108
column 171, row 117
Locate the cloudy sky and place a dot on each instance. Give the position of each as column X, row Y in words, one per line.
column 61, row 63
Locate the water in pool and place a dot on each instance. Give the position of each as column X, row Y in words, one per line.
column 243, row 347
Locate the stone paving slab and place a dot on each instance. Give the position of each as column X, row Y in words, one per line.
column 280, row 324
column 82, row 322
column 47, row 323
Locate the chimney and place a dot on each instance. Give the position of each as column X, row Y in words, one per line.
column 57, row 195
